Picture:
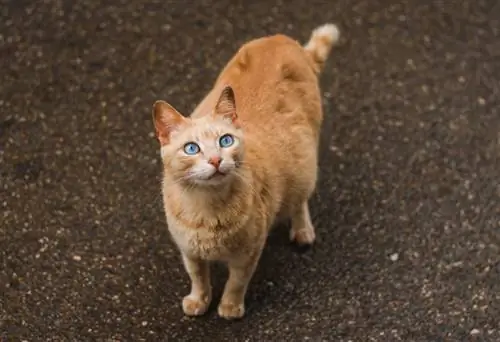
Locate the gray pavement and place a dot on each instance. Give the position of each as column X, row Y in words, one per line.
column 408, row 203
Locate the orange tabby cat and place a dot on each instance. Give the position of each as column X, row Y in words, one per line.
column 246, row 156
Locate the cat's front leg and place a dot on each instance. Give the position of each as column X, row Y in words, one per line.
column 241, row 270
column 197, row 302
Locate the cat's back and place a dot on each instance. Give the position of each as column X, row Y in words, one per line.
column 267, row 58
column 269, row 75
column 277, row 87
column 267, row 66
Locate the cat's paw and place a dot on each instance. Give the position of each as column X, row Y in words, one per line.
column 195, row 306
column 303, row 237
column 231, row 311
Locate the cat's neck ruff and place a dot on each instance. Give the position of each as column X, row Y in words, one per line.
column 196, row 207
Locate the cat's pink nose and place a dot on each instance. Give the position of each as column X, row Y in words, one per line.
column 215, row 161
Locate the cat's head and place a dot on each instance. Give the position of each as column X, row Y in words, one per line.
column 206, row 150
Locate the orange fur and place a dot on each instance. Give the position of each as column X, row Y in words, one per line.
column 268, row 99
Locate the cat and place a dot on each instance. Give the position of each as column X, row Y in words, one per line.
column 244, row 158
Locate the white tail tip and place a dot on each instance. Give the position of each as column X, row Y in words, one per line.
column 321, row 42
column 329, row 32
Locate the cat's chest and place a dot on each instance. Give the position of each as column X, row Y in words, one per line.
column 206, row 244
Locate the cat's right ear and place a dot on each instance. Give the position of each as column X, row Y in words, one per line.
column 166, row 119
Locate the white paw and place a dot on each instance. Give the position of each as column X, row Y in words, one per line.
column 231, row 311
column 303, row 236
column 195, row 306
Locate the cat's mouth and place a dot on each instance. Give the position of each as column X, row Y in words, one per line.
column 217, row 175
column 213, row 178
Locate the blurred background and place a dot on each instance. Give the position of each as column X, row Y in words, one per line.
column 407, row 209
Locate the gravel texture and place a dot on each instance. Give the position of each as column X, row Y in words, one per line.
column 407, row 208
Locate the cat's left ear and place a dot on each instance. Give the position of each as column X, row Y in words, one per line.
column 166, row 119
column 226, row 106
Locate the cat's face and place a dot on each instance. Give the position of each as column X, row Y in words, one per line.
column 206, row 151
column 202, row 151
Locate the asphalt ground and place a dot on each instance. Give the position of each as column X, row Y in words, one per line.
column 408, row 203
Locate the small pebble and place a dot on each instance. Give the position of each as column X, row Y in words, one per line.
column 77, row 257
column 394, row 257
column 474, row 332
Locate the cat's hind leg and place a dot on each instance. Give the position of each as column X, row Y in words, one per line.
column 302, row 230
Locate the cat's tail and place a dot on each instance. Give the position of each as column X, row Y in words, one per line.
column 320, row 44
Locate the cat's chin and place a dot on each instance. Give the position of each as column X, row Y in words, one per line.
column 217, row 179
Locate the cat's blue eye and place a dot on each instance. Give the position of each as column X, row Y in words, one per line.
column 226, row 140
column 191, row 148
